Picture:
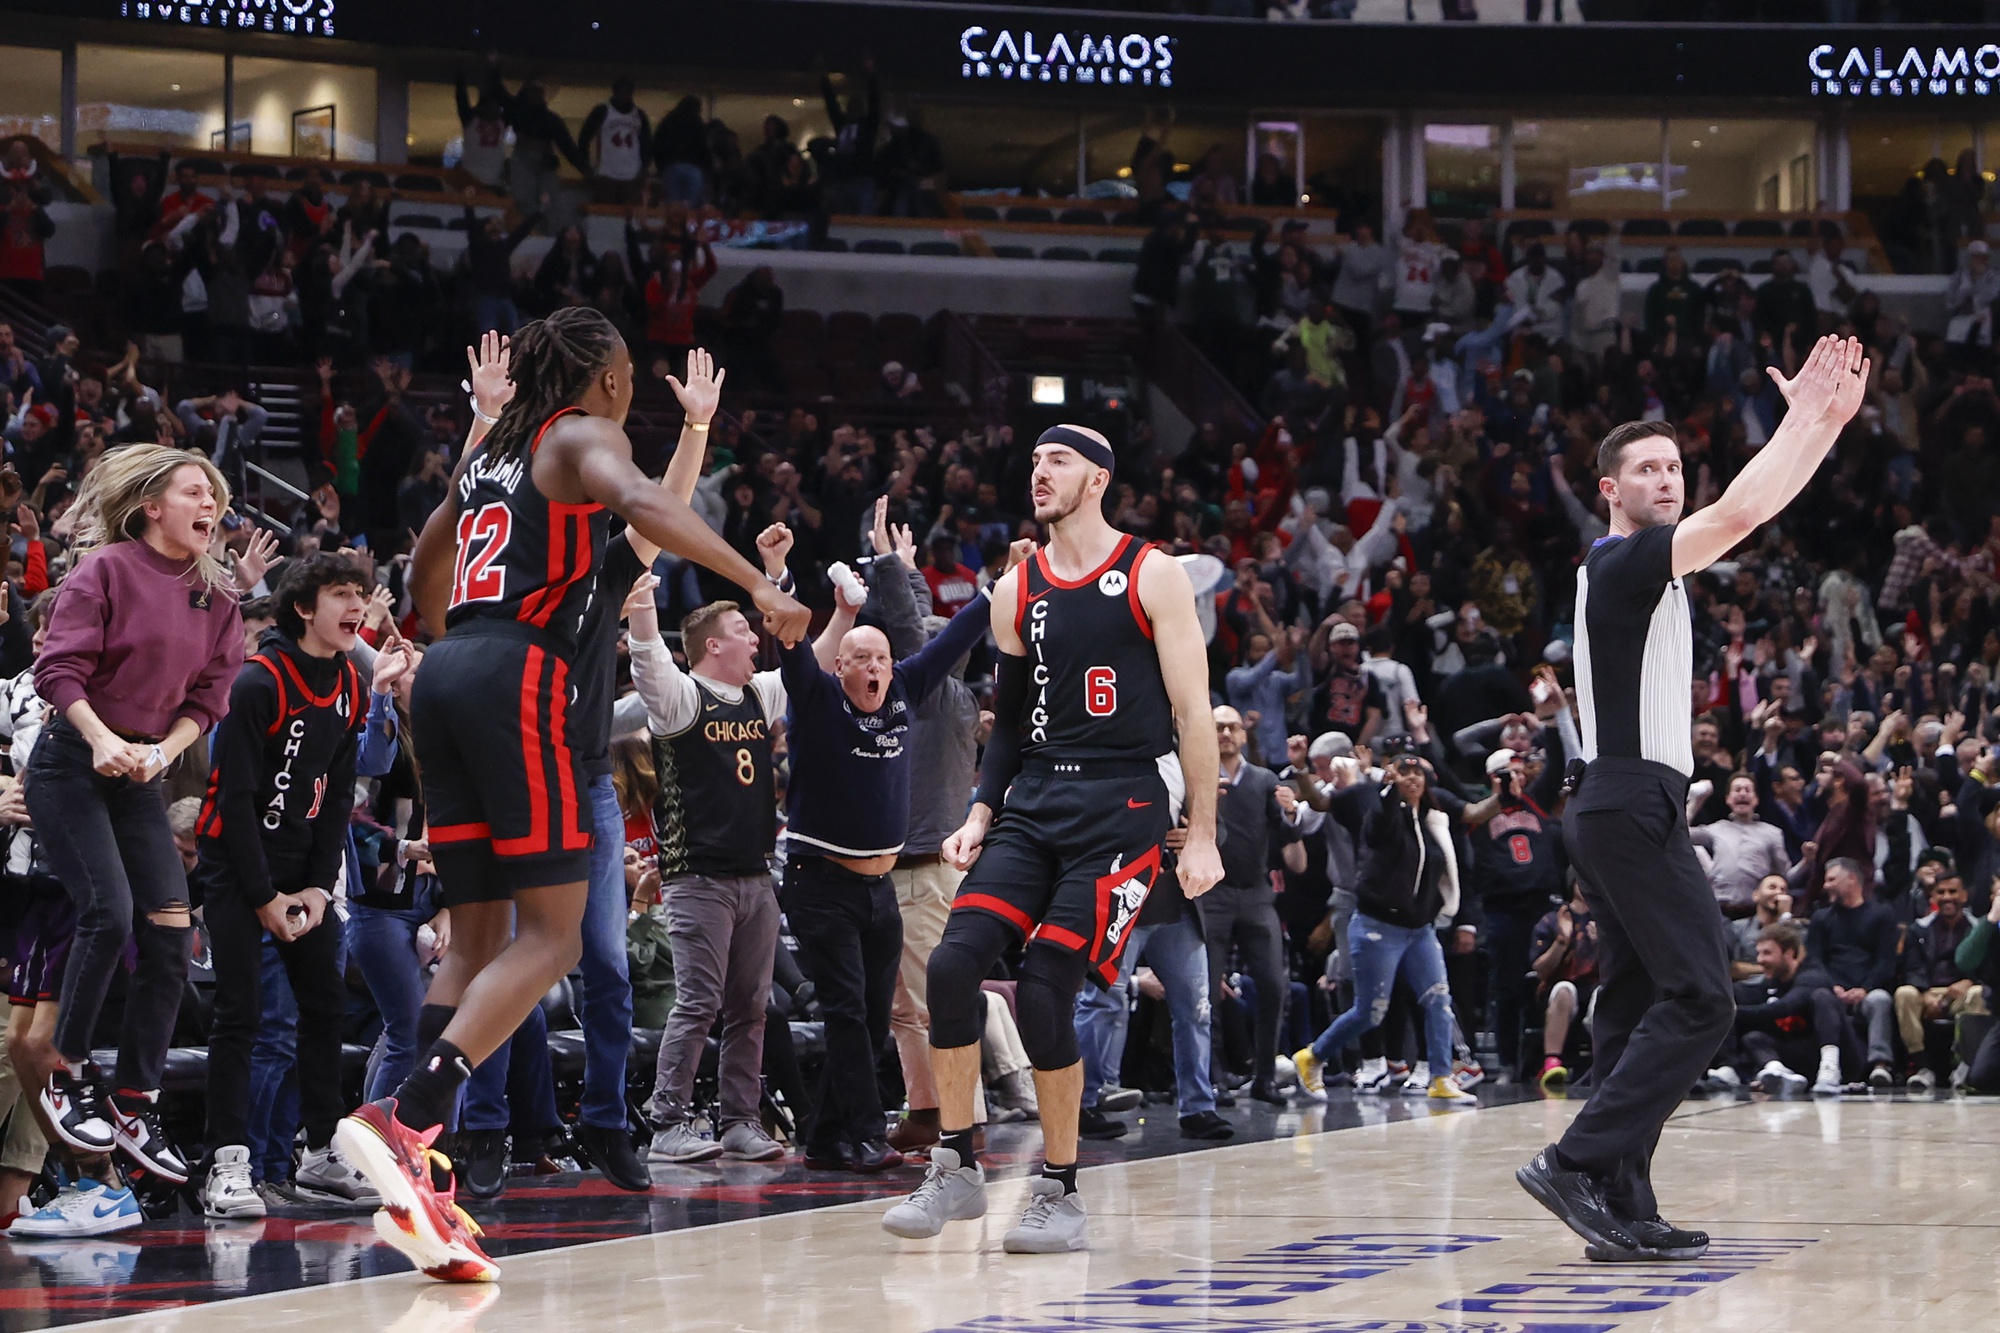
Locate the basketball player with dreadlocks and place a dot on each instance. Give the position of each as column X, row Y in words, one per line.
column 503, row 789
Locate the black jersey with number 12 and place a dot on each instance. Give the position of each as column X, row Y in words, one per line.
column 521, row 555
column 1095, row 691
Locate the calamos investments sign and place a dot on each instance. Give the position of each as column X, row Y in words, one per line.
column 1907, row 71
column 1030, row 55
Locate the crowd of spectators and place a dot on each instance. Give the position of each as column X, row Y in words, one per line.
column 1387, row 568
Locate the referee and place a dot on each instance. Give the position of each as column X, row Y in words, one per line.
column 1664, row 1004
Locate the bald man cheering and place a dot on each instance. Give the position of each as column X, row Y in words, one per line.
column 848, row 733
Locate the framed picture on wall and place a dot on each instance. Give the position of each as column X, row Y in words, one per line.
column 312, row 132
column 236, row 139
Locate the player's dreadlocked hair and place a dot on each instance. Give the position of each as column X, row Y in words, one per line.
column 554, row 362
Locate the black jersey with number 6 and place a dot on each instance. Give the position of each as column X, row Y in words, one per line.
column 717, row 812
column 1096, row 691
column 522, row 556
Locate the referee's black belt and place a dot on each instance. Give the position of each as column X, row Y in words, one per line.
column 1089, row 768
column 1606, row 765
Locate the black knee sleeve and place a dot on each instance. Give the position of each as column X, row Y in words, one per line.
column 1045, row 1003
column 971, row 945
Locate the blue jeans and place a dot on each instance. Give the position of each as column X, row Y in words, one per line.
column 272, row 1120
column 383, row 945
column 1381, row 952
column 515, row 1087
column 1179, row 957
column 604, row 999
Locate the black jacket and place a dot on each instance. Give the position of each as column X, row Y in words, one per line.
column 1403, row 877
column 282, row 785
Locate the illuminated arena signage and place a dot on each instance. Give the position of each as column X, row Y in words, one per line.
column 305, row 18
column 1028, row 56
column 1958, row 71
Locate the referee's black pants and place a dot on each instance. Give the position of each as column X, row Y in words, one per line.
column 1664, row 1004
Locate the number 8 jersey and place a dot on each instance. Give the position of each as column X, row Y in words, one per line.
column 522, row 556
column 1095, row 691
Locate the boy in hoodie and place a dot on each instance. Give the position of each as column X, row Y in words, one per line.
column 271, row 834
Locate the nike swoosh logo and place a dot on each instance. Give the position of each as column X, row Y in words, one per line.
column 1131, row 804
column 102, row 1210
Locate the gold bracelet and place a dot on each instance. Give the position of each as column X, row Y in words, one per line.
column 695, row 425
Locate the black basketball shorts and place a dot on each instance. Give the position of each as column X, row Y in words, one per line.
column 1070, row 859
column 504, row 793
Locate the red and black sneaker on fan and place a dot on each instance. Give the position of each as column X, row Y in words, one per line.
column 136, row 1127
column 75, row 1113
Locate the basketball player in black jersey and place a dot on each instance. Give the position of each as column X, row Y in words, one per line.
column 512, row 578
column 1664, row 1003
column 1102, row 663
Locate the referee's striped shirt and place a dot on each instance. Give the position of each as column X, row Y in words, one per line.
column 1634, row 651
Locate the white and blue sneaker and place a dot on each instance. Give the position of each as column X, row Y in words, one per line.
column 88, row 1208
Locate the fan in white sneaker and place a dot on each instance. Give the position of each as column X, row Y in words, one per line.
column 229, row 1191
column 1418, row 1084
column 1054, row 1222
column 1778, row 1081
column 1828, row 1082
column 1372, row 1075
column 325, row 1172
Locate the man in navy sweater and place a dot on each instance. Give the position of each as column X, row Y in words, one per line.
column 1854, row 937
column 849, row 812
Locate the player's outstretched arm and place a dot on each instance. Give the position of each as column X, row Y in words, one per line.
column 700, row 397
column 1821, row 399
column 1168, row 596
column 436, row 549
column 602, row 455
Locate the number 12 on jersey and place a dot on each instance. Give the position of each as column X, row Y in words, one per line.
column 482, row 537
column 1100, row 691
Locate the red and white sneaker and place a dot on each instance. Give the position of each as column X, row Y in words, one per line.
column 429, row 1227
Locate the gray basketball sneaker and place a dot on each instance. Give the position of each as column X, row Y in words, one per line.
column 1053, row 1223
column 950, row 1193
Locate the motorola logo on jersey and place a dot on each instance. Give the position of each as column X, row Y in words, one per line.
column 1029, row 56
column 1854, row 71
column 305, row 18
column 1114, row 583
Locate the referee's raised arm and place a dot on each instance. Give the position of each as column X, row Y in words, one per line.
column 1820, row 399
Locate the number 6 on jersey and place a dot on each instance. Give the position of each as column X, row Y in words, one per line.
column 1100, row 691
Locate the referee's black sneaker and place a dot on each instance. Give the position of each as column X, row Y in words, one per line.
column 1658, row 1240
column 1578, row 1200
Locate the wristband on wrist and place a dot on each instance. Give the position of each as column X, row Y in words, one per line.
column 484, row 419
column 694, row 425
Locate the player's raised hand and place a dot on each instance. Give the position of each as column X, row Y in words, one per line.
column 1811, row 391
column 784, row 619
column 701, row 393
column 1200, row 867
column 491, row 385
column 1019, row 550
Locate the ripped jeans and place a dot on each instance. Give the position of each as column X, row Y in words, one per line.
column 108, row 841
column 1381, row 952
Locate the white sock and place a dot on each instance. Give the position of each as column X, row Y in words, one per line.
column 1829, row 1058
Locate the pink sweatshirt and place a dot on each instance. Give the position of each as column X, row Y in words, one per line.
column 143, row 639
